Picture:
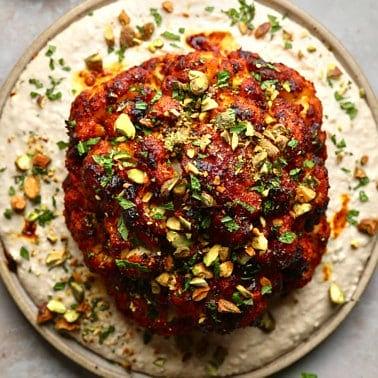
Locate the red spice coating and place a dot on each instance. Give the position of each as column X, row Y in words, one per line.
column 223, row 176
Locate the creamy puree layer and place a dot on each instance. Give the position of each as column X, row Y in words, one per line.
column 299, row 314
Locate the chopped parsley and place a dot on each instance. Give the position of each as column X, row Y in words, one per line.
column 349, row 108
column 245, row 14
column 42, row 215
column 125, row 264
column 36, row 83
column 363, row 181
column 105, row 334
column 121, row 54
column 274, row 24
column 287, row 237
column 156, row 15
column 209, row 9
column 50, row 50
column 62, row 145
column 288, row 45
column 181, row 30
column 230, row 224
column 8, row 213
column 308, row 375
column 266, row 289
column 51, row 94
column 59, row 286
column 24, row 253
column 125, row 203
column 195, row 184
column 83, row 146
column 363, row 197
column 11, row 191
column 122, row 229
column 245, row 205
column 223, row 78
column 171, row 36
column 351, row 216
column 168, row 206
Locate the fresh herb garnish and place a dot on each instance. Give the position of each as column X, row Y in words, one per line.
column 363, row 197
column 59, row 286
column 274, row 24
column 8, row 213
column 245, row 14
column 195, row 184
column 157, row 97
column 171, row 36
column 106, row 333
column 50, row 50
column 351, row 216
column 42, row 215
column 50, row 92
column 24, row 253
column 287, row 237
column 363, row 181
column 125, row 264
column 62, row 145
column 83, row 146
column 125, row 203
column 245, row 205
column 209, row 9
column 266, row 289
column 36, row 83
column 122, row 229
column 349, row 108
column 223, row 78
column 230, row 224
column 156, row 15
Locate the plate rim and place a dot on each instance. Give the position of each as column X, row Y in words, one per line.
column 90, row 360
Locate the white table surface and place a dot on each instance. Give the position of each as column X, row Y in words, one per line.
column 351, row 352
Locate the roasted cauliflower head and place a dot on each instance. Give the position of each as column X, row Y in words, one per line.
column 197, row 188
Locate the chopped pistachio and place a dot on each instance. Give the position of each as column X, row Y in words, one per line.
column 123, row 18
column 200, row 270
column 124, row 125
column 18, row 203
column 226, row 306
column 178, row 241
column 137, row 175
column 267, row 322
column 173, row 223
column 23, row 162
column 192, row 168
column 207, row 199
column 77, row 291
column 311, row 48
column 56, row 306
column 243, row 291
column 167, row 6
column 336, row 294
column 260, row 242
column 212, row 255
column 94, row 62
column 32, row 187
column 198, row 82
column 185, row 222
column 200, row 293
column 109, row 35
column 208, row 104
column 169, row 185
column 56, row 258
column 198, row 282
column 146, row 197
column 71, row 316
column 301, row 208
column 305, row 194
column 234, row 141
column 156, row 44
column 226, row 268
column 165, row 279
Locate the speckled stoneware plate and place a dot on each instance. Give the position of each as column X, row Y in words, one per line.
column 319, row 331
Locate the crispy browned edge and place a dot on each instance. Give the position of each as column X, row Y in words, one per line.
column 91, row 360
